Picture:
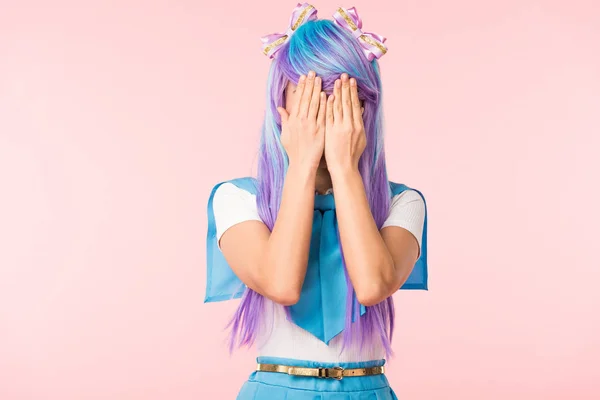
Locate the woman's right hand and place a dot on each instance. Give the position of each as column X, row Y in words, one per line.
column 273, row 262
column 303, row 127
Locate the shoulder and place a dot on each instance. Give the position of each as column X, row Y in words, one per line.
column 408, row 204
column 228, row 190
column 232, row 204
column 243, row 184
column 407, row 210
column 229, row 197
column 403, row 194
column 234, row 189
column 407, row 196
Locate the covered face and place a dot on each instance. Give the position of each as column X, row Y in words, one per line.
column 292, row 98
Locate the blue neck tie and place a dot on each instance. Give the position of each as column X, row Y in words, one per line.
column 321, row 309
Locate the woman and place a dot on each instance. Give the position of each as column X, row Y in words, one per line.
column 316, row 272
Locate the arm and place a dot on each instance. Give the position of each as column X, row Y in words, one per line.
column 378, row 262
column 274, row 263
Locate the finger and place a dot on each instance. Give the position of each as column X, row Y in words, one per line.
column 346, row 99
column 283, row 114
column 315, row 99
column 322, row 108
column 329, row 117
column 356, row 109
column 337, row 101
column 307, row 94
column 299, row 90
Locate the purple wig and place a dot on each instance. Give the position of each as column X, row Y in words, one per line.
column 329, row 50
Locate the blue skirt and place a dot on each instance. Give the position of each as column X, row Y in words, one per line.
column 279, row 386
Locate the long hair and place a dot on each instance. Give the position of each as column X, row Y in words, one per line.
column 329, row 50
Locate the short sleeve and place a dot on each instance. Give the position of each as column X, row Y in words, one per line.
column 232, row 205
column 407, row 211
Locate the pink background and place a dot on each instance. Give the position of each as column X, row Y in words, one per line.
column 116, row 118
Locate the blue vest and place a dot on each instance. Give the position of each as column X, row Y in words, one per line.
column 325, row 281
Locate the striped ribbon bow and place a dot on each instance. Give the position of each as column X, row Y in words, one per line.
column 302, row 13
column 371, row 43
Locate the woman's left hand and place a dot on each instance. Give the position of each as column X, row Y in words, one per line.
column 345, row 138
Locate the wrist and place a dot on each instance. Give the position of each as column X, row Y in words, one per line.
column 342, row 173
column 304, row 175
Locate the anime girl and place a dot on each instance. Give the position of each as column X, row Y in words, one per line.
column 317, row 243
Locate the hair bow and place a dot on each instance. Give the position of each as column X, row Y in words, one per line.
column 371, row 43
column 302, row 13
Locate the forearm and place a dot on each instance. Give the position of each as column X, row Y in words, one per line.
column 286, row 253
column 368, row 260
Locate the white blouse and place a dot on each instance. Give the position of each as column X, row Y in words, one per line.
column 278, row 337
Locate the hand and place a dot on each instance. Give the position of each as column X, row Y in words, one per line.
column 345, row 138
column 303, row 128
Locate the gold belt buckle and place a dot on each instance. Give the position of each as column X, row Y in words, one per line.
column 326, row 373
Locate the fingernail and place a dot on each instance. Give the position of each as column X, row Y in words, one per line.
column 353, row 81
column 302, row 78
column 311, row 73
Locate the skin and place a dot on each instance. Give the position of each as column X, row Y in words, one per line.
column 324, row 137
